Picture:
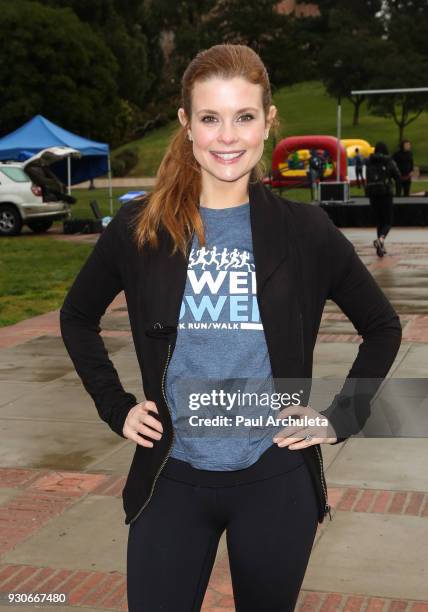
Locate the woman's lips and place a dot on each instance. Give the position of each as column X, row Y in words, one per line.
column 226, row 161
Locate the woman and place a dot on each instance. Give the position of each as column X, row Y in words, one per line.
column 226, row 282
column 381, row 171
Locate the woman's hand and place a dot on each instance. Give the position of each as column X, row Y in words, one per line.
column 139, row 421
column 293, row 436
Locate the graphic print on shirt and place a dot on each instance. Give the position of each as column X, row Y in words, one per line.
column 223, row 290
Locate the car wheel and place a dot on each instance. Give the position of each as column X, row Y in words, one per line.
column 39, row 225
column 10, row 220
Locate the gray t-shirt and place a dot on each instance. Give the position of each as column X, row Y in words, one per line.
column 220, row 345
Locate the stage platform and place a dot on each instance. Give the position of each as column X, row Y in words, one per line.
column 407, row 212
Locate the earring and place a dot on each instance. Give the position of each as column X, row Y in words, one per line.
column 266, row 135
column 189, row 136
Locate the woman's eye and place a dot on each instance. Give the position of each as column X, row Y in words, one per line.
column 247, row 117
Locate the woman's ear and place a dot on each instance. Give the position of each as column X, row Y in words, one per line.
column 182, row 117
column 271, row 115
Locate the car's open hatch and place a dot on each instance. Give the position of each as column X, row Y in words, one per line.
column 48, row 156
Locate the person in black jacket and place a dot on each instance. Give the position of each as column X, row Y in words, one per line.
column 404, row 160
column 381, row 171
column 223, row 280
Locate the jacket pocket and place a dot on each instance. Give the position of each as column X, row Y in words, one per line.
column 161, row 331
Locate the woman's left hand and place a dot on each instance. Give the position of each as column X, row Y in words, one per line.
column 294, row 436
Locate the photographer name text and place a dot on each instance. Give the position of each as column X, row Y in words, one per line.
column 259, row 421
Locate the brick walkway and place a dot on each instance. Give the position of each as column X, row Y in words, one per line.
column 43, row 494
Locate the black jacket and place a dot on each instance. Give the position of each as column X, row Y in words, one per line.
column 404, row 161
column 301, row 260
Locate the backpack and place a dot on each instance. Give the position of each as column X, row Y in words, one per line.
column 377, row 178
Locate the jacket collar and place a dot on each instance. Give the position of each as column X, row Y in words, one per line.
column 269, row 230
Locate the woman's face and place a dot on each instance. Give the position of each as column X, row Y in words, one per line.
column 228, row 127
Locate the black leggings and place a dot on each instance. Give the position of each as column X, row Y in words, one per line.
column 270, row 529
column 404, row 186
column 383, row 207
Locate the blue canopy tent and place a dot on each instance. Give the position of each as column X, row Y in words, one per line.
column 40, row 133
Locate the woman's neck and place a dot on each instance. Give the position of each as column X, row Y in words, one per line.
column 224, row 194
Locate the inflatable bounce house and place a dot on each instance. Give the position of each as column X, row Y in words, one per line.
column 291, row 156
column 351, row 145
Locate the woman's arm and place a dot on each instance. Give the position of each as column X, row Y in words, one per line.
column 94, row 288
column 355, row 291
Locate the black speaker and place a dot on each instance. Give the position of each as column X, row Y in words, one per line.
column 82, row 226
column 333, row 191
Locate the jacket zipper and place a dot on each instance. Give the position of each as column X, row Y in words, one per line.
column 160, row 326
column 172, row 441
column 301, row 336
column 327, row 507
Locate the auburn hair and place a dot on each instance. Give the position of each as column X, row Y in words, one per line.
column 174, row 201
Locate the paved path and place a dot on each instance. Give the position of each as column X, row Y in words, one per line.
column 62, row 470
column 149, row 181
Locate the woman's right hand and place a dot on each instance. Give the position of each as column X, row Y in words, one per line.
column 139, row 421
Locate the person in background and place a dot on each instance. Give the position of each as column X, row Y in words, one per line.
column 404, row 160
column 381, row 171
column 315, row 170
column 359, row 163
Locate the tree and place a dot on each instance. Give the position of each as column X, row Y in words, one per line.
column 414, row 8
column 350, row 69
column 95, row 12
column 54, row 65
column 399, row 71
column 129, row 47
column 347, row 36
column 407, row 25
column 258, row 24
column 363, row 11
column 117, row 24
column 183, row 25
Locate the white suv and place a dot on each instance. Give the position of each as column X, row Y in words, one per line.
column 31, row 194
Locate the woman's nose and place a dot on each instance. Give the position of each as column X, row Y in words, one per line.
column 227, row 134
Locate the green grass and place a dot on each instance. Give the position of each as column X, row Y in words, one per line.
column 36, row 274
column 150, row 149
column 82, row 208
column 38, row 270
column 303, row 109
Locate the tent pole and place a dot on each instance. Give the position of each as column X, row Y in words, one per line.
column 110, row 190
column 69, row 175
column 339, row 122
